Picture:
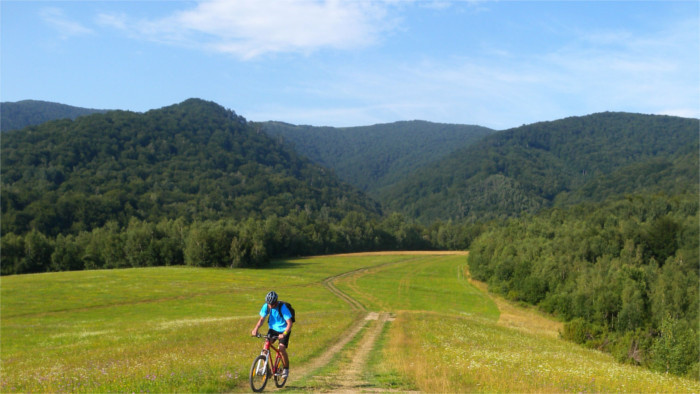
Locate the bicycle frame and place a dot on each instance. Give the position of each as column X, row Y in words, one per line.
column 266, row 352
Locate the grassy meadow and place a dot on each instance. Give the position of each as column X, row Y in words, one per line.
column 158, row 329
column 450, row 336
column 184, row 329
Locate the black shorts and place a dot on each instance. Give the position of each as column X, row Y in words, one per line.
column 284, row 341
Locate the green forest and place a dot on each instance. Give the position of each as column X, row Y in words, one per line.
column 20, row 114
column 593, row 219
column 195, row 161
column 192, row 184
column 559, row 163
column 623, row 274
column 374, row 158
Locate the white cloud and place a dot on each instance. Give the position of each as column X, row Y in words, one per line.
column 250, row 28
column 650, row 72
column 65, row 27
column 585, row 70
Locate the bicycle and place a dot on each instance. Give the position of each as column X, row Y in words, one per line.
column 262, row 369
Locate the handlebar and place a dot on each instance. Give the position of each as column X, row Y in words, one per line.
column 266, row 336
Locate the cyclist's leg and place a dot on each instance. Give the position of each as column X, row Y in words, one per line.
column 284, row 344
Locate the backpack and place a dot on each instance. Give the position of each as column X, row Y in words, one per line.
column 279, row 310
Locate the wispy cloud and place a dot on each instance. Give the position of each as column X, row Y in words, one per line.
column 251, row 28
column 66, row 27
column 654, row 72
column 593, row 71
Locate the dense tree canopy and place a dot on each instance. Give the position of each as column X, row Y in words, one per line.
column 622, row 273
column 373, row 158
column 195, row 160
column 554, row 163
column 20, row 114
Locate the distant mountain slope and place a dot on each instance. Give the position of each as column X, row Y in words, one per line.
column 375, row 157
column 194, row 160
column 20, row 114
column 565, row 161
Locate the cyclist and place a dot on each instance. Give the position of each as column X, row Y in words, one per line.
column 280, row 324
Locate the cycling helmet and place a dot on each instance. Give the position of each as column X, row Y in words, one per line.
column 271, row 297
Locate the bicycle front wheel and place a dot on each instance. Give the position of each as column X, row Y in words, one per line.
column 279, row 367
column 259, row 374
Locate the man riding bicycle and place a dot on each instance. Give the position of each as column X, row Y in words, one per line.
column 280, row 325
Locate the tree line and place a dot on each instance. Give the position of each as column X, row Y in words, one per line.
column 623, row 274
column 223, row 243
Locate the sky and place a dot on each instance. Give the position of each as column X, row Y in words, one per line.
column 341, row 63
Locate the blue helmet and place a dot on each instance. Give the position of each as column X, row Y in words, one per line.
column 271, row 297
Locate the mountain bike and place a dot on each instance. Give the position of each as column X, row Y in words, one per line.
column 262, row 369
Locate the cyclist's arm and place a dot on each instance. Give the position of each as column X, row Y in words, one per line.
column 257, row 326
column 288, row 329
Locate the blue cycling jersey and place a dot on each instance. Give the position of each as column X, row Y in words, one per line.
column 277, row 322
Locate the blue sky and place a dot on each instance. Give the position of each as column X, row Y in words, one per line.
column 352, row 63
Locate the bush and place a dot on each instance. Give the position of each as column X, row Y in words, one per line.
column 676, row 349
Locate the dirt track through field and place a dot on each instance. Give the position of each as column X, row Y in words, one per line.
column 349, row 376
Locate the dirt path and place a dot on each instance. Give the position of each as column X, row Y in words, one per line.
column 306, row 370
column 339, row 369
column 354, row 304
column 348, row 378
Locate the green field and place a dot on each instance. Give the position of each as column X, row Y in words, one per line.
column 187, row 329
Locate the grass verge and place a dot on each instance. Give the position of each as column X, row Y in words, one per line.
column 449, row 353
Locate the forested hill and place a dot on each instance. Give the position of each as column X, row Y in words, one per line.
column 373, row 158
column 194, row 160
column 589, row 158
column 20, row 114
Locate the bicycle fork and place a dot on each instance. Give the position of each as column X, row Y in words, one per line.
column 262, row 371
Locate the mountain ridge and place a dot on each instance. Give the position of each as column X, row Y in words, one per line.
column 377, row 156
column 528, row 167
column 441, row 171
column 20, row 114
column 195, row 160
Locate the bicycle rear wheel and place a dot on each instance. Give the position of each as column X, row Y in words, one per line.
column 279, row 379
column 259, row 374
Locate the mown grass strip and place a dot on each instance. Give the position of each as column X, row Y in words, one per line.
column 422, row 282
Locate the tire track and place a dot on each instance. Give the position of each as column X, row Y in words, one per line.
column 350, row 377
column 328, row 283
column 308, row 369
